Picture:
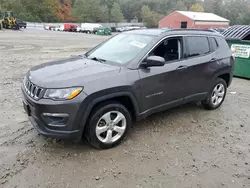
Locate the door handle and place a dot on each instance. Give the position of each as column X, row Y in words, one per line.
column 183, row 67
column 213, row 60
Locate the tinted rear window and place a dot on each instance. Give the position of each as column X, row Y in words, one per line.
column 197, row 46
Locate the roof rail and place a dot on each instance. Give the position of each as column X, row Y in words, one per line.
column 191, row 29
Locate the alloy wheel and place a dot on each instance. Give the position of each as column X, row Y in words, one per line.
column 218, row 94
column 111, row 127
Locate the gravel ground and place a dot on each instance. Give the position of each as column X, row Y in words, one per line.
column 185, row 147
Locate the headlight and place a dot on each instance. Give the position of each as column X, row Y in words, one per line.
column 62, row 94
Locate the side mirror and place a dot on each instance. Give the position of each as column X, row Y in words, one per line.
column 153, row 61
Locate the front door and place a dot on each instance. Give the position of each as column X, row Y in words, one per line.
column 161, row 86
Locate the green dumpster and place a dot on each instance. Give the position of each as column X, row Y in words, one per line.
column 103, row 31
column 242, row 57
column 238, row 38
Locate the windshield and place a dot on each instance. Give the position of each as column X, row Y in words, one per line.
column 122, row 48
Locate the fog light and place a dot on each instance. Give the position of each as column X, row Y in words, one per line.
column 55, row 120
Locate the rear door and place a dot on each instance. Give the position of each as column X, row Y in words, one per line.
column 199, row 69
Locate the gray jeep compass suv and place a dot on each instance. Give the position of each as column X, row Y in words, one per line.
column 124, row 79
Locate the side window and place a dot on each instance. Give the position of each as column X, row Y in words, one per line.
column 197, row 46
column 170, row 49
column 213, row 44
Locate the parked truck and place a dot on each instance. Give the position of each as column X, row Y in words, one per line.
column 70, row 27
column 89, row 27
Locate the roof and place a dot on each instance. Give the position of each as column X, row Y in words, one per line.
column 157, row 32
column 237, row 32
column 193, row 32
column 203, row 16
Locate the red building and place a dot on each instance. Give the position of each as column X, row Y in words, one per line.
column 186, row 19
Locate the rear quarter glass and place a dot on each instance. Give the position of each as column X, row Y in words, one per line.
column 222, row 43
column 224, row 47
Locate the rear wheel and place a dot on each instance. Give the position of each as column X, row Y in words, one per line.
column 108, row 125
column 216, row 96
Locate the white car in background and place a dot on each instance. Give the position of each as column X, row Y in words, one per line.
column 121, row 29
column 127, row 28
column 60, row 27
column 46, row 27
column 79, row 29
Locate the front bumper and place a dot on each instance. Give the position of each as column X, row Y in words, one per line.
column 36, row 111
column 59, row 134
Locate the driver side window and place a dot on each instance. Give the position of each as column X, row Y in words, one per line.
column 170, row 49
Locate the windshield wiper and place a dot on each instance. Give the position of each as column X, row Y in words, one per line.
column 98, row 59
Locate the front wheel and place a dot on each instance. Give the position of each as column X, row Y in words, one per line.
column 108, row 125
column 216, row 96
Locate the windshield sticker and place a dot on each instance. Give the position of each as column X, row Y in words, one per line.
column 138, row 44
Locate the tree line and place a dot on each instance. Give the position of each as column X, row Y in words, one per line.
column 147, row 11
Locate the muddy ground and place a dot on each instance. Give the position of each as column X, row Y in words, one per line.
column 186, row 147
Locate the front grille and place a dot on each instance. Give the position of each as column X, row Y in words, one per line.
column 33, row 90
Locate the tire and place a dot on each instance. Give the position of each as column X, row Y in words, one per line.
column 216, row 95
column 107, row 137
column 25, row 27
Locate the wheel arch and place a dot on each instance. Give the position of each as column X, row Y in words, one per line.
column 126, row 98
column 225, row 75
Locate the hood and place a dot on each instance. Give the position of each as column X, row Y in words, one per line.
column 75, row 71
